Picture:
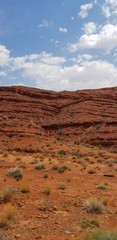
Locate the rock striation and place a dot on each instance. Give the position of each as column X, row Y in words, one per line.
column 29, row 116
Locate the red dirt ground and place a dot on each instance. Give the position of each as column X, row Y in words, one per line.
column 35, row 125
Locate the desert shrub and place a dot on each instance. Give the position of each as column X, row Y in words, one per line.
column 45, row 175
column 99, row 160
column 47, row 190
column 94, row 205
column 62, row 186
column 110, row 163
column 5, row 154
column 104, row 199
column 95, row 222
column 15, row 173
column 102, row 186
column 7, row 193
column 25, row 187
column 91, row 171
column 55, row 166
column 18, row 158
column 101, row 235
column 62, row 152
column 60, row 131
column 46, row 204
column 40, row 166
column 38, row 150
column 85, row 223
column 7, row 214
column 62, row 169
column 35, row 161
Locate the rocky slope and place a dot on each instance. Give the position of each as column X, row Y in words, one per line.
column 30, row 117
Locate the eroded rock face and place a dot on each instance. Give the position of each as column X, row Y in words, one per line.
column 28, row 116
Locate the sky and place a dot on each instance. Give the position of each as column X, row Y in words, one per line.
column 58, row 44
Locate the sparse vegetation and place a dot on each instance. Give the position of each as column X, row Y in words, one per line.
column 7, row 193
column 15, row 173
column 62, row 186
column 101, row 235
column 25, row 187
column 40, row 166
column 55, row 166
column 91, row 171
column 45, row 175
column 8, row 213
column 62, row 169
column 94, row 205
column 47, row 190
column 62, row 152
column 102, row 186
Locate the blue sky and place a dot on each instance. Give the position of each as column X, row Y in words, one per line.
column 58, row 45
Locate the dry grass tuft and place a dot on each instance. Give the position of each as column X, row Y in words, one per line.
column 25, row 188
column 15, row 173
column 7, row 214
column 94, row 205
column 7, row 193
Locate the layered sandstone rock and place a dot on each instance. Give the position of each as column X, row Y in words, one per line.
column 29, row 115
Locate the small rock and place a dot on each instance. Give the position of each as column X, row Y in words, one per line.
column 67, row 232
column 4, row 117
column 45, row 216
column 17, row 235
column 55, row 208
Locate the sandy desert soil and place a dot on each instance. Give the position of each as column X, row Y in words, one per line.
column 74, row 135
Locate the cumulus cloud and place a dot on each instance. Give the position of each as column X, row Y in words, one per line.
column 109, row 8
column 4, row 55
column 94, row 74
column 90, row 27
column 81, row 58
column 64, row 30
column 47, row 71
column 105, row 39
column 84, row 10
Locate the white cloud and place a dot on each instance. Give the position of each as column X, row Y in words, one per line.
column 105, row 39
column 84, row 10
column 56, row 42
column 45, row 23
column 49, row 72
column 3, row 74
column 106, row 11
column 95, row 1
column 4, row 55
column 94, row 74
column 82, row 58
column 90, row 27
column 52, row 72
column 109, row 8
column 64, row 30
column 72, row 18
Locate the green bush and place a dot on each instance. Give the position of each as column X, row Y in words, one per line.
column 62, row 152
column 101, row 235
